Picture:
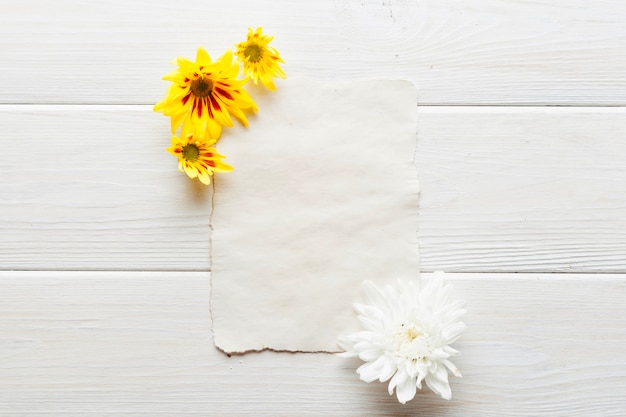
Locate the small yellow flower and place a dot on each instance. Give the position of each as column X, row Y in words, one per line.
column 207, row 93
column 260, row 61
column 196, row 156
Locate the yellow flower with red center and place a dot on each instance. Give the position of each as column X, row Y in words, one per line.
column 207, row 93
column 196, row 156
column 260, row 61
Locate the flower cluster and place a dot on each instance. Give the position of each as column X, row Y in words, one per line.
column 407, row 336
column 205, row 96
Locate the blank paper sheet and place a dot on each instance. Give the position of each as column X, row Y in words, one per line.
column 323, row 195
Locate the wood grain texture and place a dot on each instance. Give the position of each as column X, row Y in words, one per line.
column 522, row 189
column 85, row 184
column 139, row 344
column 94, row 188
column 503, row 189
column 455, row 51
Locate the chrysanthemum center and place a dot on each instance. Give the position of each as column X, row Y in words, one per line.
column 202, row 87
column 191, row 152
column 411, row 342
column 253, row 52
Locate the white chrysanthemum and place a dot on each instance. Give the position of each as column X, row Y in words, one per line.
column 407, row 336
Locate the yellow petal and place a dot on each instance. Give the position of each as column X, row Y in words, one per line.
column 222, row 167
column 203, row 58
column 190, row 171
column 214, row 129
column 267, row 82
column 176, row 120
column 183, row 63
column 188, row 128
column 227, row 58
column 205, row 178
column 159, row 106
column 174, row 76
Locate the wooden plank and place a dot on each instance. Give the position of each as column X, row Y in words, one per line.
column 455, row 51
column 93, row 188
column 138, row 343
column 522, row 189
column 503, row 189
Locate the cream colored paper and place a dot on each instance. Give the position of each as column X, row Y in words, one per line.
column 323, row 195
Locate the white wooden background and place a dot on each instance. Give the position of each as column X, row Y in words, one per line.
column 104, row 281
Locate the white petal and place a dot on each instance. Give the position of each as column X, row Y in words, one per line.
column 429, row 308
column 457, row 309
column 439, row 383
column 422, row 372
column 370, row 371
column 455, row 371
column 439, row 353
column 451, row 351
column 371, row 323
column 406, row 391
column 397, row 379
column 370, row 355
column 382, row 369
column 388, row 370
column 452, row 333
column 379, row 300
column 346, row 344
column 439, row 274
column 374, row 295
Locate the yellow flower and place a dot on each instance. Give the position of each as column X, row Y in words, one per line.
column 260, row 61
column 196, row 156
column 207, row 93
